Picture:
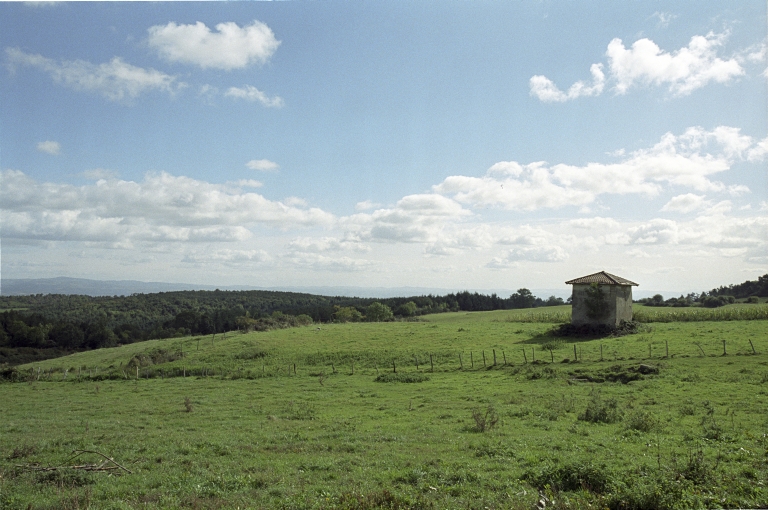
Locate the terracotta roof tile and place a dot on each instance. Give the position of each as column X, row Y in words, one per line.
column 601, row 278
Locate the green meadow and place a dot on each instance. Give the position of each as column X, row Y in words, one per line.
column 456, row 410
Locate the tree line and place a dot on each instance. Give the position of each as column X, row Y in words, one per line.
column 750, row 291
column 65, row 323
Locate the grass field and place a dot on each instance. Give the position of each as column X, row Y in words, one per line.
column 255, row 432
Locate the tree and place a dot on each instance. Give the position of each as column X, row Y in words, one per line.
column 523, row 298
column 347, row 314
column 67, row 335
column 377, row 312
column 407, row 309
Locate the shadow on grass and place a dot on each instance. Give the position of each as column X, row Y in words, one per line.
column 559, row 335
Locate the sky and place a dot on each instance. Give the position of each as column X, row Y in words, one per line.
column 438, row 144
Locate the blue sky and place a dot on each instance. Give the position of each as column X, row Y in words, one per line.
column 483, row 145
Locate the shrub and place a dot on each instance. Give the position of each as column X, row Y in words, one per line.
column 571, row 477
column 485, row 420
column 601, row 411
column 404, row 378
column 641, row 420
column 753, row 299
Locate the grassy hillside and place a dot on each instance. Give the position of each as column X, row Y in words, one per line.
column 256, row 434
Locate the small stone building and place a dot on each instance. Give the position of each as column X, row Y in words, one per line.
column 601, row 299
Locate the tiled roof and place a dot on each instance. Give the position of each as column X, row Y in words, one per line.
column 601, row 278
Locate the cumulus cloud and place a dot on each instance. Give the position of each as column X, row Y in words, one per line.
column 366, row 205
column 686, row 160
column 645, row 64
column 227, row 257
column 545, row 89
column 343, row 264
column 228, row 47
column 115, row 80
column 262, row 165
column 596, row 223
column 684, row 203
column 254, row 95
column 49, row 147
column 161, row 207
column 415, row 218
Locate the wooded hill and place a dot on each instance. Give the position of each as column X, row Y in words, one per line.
column 57, row 323
column 47, row 325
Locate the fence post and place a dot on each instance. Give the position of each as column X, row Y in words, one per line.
column 461, row 363
column 394, row 367
column 753, row 347
column 724, row 353
column 431, row 365
column 533, row 351
column 505, row 358
column 471, row 360
column 575, row 358
column 524, row 356
column 666, row 346
column 494, row 357
column 483, row 359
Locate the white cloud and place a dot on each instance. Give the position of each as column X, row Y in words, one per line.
column 99, row 173
column 115, row 80
column 49, row 147
column 366, row 205
column 684, row 70
column 319, row 262
column 229, row 47
column 596, row 223
column 227, row 257
column 160, row 208
column 684, row 203
column 644, row 63
column 688, row 160
column 415, row 218
column 263, row 165
column 543, row 88
column 663, row 18
column 254, row 95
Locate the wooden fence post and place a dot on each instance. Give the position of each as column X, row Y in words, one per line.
column 505, row 358
column 394, row 367
column 483, row 359
column 494, row 357
column 471, row 360
column 575, row 358
column 753, row 347
column 524, row 356
column 461, row 363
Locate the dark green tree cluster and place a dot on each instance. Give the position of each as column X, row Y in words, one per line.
column 66, row 323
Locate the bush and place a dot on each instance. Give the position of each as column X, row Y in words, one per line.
column 644, row 421
column 571, row 477
column 485, row 420
column 601, row 411
column 404, row 378
column 753, row 299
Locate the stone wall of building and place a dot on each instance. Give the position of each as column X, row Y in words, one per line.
column 618, row 299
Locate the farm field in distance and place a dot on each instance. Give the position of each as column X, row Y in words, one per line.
column 317, row 417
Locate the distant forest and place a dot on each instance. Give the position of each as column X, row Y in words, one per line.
column 43, row 326
column 49, row 325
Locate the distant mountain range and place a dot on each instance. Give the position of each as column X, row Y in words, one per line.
column 83, row 286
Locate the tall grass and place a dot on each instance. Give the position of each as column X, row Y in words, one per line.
column 540, row 316
column 736, row 313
